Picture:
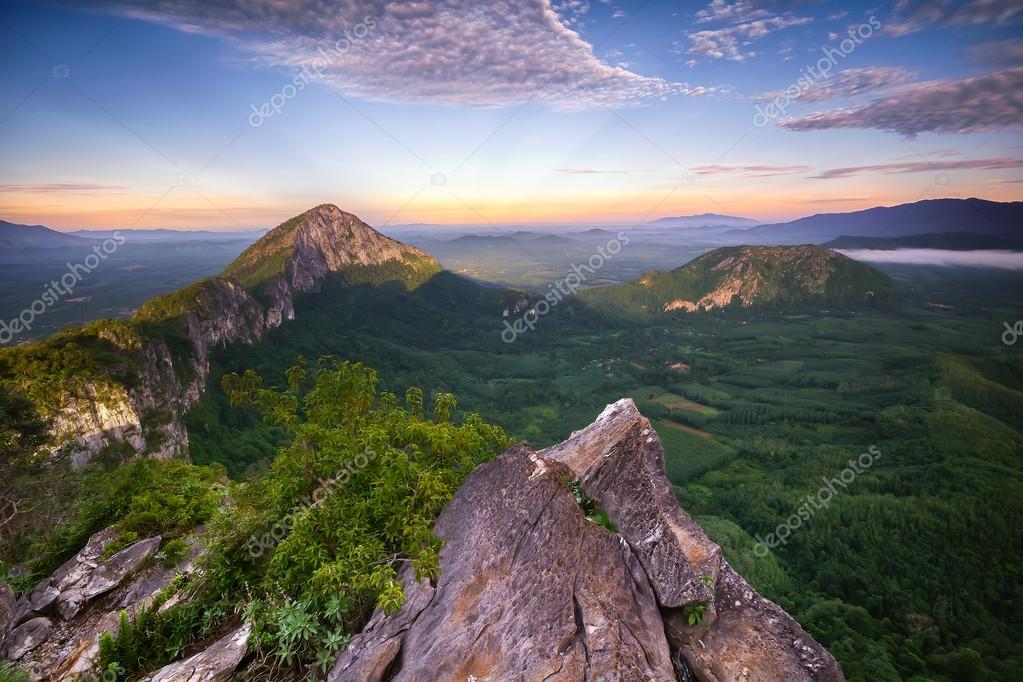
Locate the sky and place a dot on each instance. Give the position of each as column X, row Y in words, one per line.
column 237, row 114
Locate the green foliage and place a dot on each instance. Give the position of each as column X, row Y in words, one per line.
column 693, row 613
column 12, row 672
column 142, row 498
column 315, row 544
column 22, row 430
column 590, row 509
column 173, row 551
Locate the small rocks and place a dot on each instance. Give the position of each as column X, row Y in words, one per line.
column 118, row 567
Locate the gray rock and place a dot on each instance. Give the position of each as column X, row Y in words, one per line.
column 528, row 589
column 22, row 611
column 215, row 664
column 620, row 463
column 28, row 636
column 70, row 602
column 114, row 570
column 44, row 600
column 53, row 594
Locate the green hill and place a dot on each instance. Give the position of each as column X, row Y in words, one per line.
column 750, row 276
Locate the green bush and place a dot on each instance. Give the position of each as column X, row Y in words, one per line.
column 307, row 551
column 142, row 498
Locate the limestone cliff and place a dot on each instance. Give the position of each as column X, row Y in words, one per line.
column 153, row 368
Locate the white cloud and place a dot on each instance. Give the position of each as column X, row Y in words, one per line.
column 910, row 16
column 746, row 23
column 849, row 83
column 448, row 51
column 983, row 103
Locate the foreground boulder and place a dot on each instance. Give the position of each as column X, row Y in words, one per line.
column 529, row 589
column 214, row 664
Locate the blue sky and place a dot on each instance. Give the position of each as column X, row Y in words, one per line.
column 144, row 113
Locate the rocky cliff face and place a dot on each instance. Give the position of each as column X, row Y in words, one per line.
column 530, row 589
column 256, row 293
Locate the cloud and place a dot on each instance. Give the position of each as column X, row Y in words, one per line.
column 746, row 21
column 447, row 51
column 1008, row 52
column 911, row 16
column 921, row 167
column 752, row 171
column 849, row 83
column 731, row 42
column 55, row 187
column 980, row 104
column 724, row 11
column 1006, row 260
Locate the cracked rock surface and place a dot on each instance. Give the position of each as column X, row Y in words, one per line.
column 529, row 589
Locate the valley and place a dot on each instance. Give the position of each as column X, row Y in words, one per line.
column 759, row 403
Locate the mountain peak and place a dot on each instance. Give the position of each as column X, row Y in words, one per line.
column 703, row 220
column 323, row 240
column 750, row 276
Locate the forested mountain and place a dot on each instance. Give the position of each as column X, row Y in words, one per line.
column 751, row 276
column 130, row 381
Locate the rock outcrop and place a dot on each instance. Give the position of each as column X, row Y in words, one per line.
column 216, row 663
column 529, row 589
column 144, row 407
column 54, row 630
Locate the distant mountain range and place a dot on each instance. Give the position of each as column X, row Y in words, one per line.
column 24, row 237
column 975, row 216
column 165, row 235
column 14, row 236
column 967, row 223
column 703, row 220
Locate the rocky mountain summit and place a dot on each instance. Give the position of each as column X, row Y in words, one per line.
column 147, row 372
column 751, row 276
column 530, row 587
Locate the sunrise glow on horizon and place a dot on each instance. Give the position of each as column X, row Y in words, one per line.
column 186, row 115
